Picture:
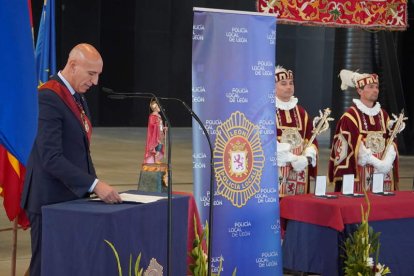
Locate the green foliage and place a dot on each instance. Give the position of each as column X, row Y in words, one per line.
column 116, row 257
column 199, row 265
column 137, row 270
column 361, row 246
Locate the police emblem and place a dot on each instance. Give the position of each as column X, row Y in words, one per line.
column 238, row 159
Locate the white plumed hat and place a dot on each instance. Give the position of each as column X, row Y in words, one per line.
column 354, row 79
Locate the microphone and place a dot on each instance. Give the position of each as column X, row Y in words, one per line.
column 117, row 97
column 211, row 188
column 108, row 90
column 125, row 95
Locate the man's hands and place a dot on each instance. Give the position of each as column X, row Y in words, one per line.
column 300, row 163
column 284, row 156
column 106, row 193
column 365, row 157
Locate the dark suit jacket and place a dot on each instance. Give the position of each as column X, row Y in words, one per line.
column 60, row 166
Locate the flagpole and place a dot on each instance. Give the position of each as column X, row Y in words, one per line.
column 14, row 248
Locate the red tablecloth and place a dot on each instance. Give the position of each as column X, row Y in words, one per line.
column 335, row 213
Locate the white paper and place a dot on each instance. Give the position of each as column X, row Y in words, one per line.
column 140, row 198
column 137, row 198
column 378, row 183
column 320, row 188
column 348, row 184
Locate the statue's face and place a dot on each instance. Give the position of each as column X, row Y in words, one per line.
column 155, row 107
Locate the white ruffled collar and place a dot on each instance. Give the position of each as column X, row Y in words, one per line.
column 370, row 111
column 293, row 101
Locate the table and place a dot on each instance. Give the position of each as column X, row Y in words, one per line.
column 74, row 233
column 316, row 228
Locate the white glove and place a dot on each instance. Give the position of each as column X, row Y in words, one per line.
column 382, row 167
column 283, row 147
column 392, row 122
column 283, row 154
column 300, row 163
column 364, row 155
column 387, row 162
column 385, row 165
column 311, row 152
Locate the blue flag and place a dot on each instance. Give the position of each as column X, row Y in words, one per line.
column 46, row 43
column 18, row 104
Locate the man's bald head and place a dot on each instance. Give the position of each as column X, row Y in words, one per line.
column 84, row 51
column 83, row 67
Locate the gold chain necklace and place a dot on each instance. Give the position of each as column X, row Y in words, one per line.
column 82, row 115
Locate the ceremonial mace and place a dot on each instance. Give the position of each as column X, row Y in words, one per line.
column 394, row 131
column 321, row 126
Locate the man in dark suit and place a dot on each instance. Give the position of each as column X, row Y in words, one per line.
column 60, row 167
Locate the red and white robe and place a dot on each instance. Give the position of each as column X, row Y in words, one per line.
column 291, row 116
column 358, row 125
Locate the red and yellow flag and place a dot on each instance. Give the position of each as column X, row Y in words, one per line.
column 11, row 185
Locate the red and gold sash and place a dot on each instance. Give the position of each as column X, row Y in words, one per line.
column 64, row 93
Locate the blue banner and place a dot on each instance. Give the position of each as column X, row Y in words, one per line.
column 233, row 94
column 45, row 53
column 18, row 104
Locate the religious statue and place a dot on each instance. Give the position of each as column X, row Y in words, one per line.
column 154, row 149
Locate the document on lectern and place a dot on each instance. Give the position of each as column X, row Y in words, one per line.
column 127, row 197
column 137, row 198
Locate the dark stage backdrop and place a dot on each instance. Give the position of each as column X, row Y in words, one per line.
column 146, row 47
